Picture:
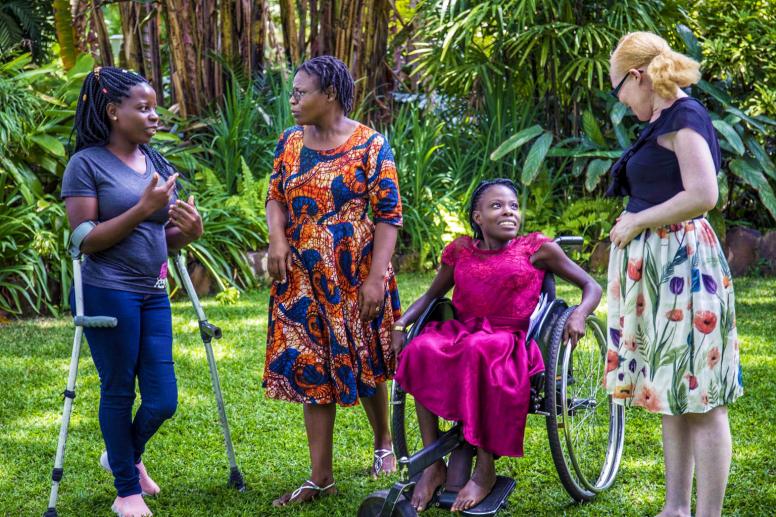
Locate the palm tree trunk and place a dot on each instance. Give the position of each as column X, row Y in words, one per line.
column 63, row 23
column 102, row 37
column 290, row 35
column 186, row 67
column 131, row 55
column 152, row 59
column 258, row 34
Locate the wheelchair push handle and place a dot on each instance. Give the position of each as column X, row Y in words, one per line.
column 569, row 241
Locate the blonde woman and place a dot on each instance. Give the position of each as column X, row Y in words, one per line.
column 673, row 347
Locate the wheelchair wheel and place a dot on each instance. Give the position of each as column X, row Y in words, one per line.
column 404, row 423
column 585, row 429
column 371, row 506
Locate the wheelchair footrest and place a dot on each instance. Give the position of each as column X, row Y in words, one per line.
column 494, row 501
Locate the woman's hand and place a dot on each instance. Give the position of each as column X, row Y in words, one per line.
column 575, row 327
column 156, row 197
column 185, row 216
column 625, row 229
column 279, row 258
column 397, row 341
column 370, row 298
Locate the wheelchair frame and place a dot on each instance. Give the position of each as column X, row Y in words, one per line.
column 549, row 397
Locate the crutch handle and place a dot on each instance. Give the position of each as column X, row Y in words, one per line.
column 95, row 321
column 208, row 330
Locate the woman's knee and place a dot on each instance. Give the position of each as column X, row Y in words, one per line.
column 162, row 406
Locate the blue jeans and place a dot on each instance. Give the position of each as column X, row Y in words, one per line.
column 140, row 346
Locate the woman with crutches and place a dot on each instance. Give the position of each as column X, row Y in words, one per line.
column 118, row 182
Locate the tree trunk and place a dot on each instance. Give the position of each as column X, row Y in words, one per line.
column 228, row 31
column 63, row 23
column 186, row 74
column 131, row 55
column 258, row 34
column 290, row 35
column 91, row 33
column 152, row 58
column 101, row 31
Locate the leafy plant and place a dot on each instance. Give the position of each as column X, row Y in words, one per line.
column 234, row 225
column 747, row 168
column 25, row 25
column 415, row 139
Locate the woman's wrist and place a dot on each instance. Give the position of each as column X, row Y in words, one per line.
column 373, row 278
column 277, row 237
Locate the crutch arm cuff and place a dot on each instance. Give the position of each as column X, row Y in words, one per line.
column 78, row 236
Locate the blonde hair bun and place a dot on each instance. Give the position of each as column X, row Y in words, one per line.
column 667, row 69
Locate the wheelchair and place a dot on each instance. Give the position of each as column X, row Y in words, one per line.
column 585, row 429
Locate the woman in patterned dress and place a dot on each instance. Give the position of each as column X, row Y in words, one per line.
column 672, row 345
column 334, row 299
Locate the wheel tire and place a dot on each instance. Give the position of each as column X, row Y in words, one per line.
column 398, row 431
column 580, row 485
column 371, row 506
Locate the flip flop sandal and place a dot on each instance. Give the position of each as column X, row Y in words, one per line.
column 308, row 485
column 377, row 463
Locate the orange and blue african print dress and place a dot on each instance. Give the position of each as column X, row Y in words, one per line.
column 318, row 350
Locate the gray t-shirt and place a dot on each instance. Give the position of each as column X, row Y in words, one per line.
column 139, row 262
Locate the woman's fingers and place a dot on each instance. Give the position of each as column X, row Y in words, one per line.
column 271, row 269
column 285, row 267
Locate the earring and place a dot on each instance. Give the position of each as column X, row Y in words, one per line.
column 115, row 118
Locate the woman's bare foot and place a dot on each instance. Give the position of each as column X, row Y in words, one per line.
column 479, row 486
column 307, row 491
column 147, row 484
column 131, row 506
column 432, row 478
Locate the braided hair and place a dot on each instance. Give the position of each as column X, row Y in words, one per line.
column 331, row 72
column 477, row 194
column 104, row 85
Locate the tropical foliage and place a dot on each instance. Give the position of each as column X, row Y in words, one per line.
column 464, row 90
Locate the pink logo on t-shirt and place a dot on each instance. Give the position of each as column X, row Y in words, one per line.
column 161, row 282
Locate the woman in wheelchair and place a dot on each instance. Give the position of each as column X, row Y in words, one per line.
column 475, row 369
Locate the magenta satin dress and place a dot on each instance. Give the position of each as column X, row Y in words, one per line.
column 475, row 369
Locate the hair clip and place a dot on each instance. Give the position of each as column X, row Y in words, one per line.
column 105, row 91
column 84, row 97
column 97, row 72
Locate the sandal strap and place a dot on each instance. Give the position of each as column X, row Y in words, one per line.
column 309, row 485
column 380, row 455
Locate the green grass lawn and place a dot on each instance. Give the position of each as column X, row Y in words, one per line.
column 187, row 456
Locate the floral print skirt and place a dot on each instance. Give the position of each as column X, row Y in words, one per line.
column 672, row 343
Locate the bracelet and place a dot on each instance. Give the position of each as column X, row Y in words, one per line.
column 399, row 327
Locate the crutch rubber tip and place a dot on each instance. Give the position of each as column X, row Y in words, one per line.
column 56, row 474
column 236, row 480
column 51, row 512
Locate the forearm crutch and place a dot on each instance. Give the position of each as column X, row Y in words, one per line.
column 81, row 322
column 208, row 332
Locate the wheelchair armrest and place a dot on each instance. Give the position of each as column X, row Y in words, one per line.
column 568, row 241
column 441, row 309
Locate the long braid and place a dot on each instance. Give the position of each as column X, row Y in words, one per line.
column 331, row 72
column 102, row 86
column 477, row 194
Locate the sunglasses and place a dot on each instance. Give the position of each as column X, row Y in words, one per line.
column 616, row 90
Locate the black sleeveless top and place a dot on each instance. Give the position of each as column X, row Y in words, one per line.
column 648, row 172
